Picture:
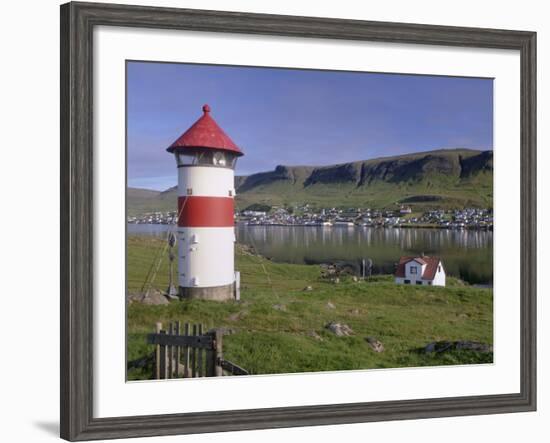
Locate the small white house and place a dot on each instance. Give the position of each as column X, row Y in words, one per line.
column 422, row 270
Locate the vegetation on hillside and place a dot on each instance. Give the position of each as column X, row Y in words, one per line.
column 448, row 178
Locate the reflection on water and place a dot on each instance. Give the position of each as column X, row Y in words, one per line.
column 467, row 254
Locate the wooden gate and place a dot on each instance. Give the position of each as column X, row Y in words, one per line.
column 189, row 352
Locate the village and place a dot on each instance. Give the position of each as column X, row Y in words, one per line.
column 404, row 217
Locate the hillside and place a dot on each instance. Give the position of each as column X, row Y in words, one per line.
column 447, row 178
column 277, row 327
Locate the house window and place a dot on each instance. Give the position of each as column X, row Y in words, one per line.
column 189, row 191
column 418, row 282
column 413, row 269
column 407, row 282
column 230, row 193
column 439, row 268
column 429, row 282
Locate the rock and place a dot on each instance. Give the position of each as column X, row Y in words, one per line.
column 331, row 305
column 429, row 348
column 237, row 316
column 473, row 346
column 314, row 335
column 354, row 311
column 336, row 280
column 461, row 345
column 152, row 297
column 355, row 279
column 339, row 329
column 376, row 345
column 246, row 249
column 279, row 307
column 308, row 288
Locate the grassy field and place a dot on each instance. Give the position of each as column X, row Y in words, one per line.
column 280, row 328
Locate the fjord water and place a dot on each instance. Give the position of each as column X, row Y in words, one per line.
column 466, row 254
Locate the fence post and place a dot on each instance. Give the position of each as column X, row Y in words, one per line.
column 163, row 358
column 211, row 357
column 199, row 356
column 194, row 355
column 170, row 354
column 158, row 328
column 178, row 354
column 219, row 355
column 237, row 285
column 186, row 353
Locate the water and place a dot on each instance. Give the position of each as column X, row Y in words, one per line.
column 466, row 254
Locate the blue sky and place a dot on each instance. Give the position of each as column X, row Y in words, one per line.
column 299, row 117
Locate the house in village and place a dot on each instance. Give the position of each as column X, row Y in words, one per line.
column 421, row 270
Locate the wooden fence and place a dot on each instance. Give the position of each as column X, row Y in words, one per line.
column 189, row 352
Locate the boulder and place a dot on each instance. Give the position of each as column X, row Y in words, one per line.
column 151, row 297
column 314, row 335
column 375, row 344
column 461, row 345
column 339, row 329
column 237, row 316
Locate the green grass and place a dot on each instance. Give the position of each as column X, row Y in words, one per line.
column 476, row 192
column 281, row 328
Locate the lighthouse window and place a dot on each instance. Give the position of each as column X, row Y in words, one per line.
column 205, row 158
column 216, row 158
column 189, row 191
column 219, row 159
column 186, row 159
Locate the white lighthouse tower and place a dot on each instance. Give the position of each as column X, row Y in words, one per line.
column 206, row 159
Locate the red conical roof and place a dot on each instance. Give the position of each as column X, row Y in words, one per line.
column 205, row 133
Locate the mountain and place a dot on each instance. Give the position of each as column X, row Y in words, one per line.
column 443, row 178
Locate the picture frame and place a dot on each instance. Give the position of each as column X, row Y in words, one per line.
column 78, row 21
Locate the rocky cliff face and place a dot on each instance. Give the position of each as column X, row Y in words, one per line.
column 441, row 178
column 447, row 164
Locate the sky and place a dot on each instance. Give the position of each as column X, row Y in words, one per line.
column 299, row 117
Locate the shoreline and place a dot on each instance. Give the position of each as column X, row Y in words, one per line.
column 351, row 226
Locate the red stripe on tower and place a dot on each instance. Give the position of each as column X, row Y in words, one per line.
column 205, row 212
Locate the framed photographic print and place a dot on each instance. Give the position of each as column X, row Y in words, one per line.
column 274, row 221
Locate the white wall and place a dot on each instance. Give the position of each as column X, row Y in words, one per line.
column 439, row 278
column 419, row 271
column 29, row 115
column 208, row 259
column 205, row 181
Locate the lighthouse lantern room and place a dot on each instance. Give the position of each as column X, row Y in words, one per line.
column 206, row 159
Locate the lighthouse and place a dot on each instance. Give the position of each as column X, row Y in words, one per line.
column 206, row 158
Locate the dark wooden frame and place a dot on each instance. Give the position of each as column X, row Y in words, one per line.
column 77, row 24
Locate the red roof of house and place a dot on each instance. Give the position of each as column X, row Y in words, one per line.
column 429, row 271
column 205, row 133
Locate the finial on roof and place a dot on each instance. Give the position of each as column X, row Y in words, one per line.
column 206, row 109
